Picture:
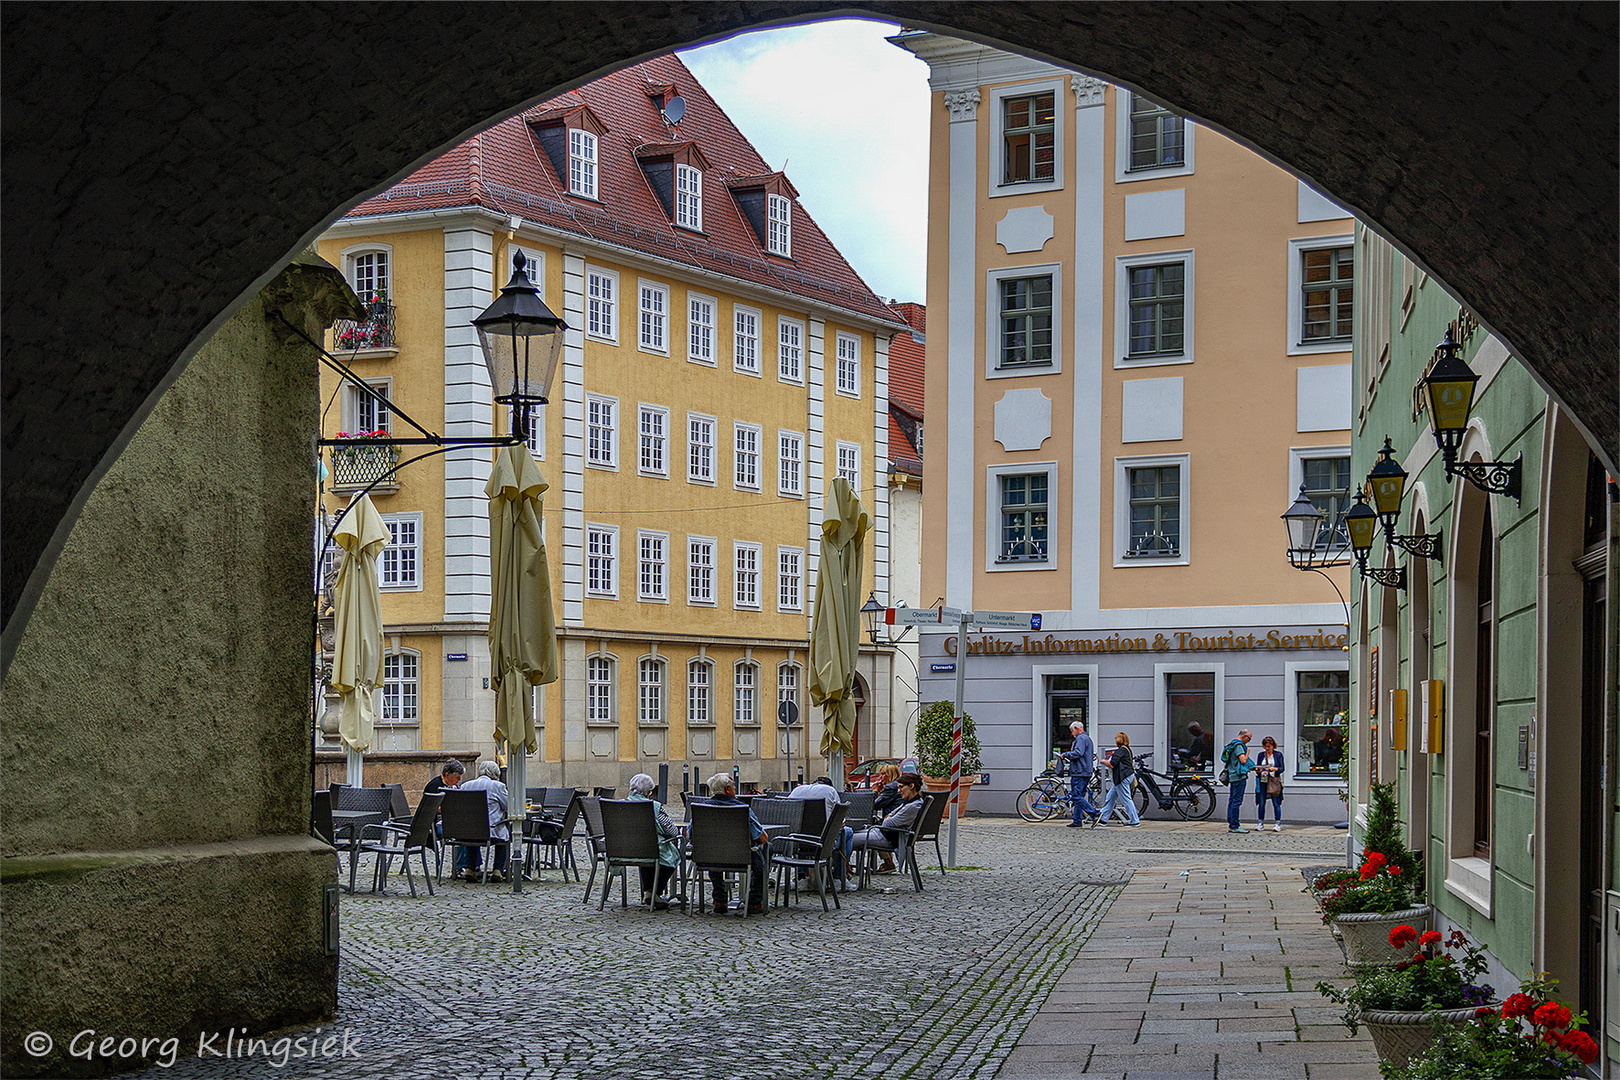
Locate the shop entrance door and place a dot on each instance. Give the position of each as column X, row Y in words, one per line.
column 1068, row 700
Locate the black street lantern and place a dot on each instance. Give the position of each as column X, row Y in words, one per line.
column 1448, row 389
column 873, row 612
column 1304, row 522
column 522, row 341
column 1387, row 481
column 1361, row 522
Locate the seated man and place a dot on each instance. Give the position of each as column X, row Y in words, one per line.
column 723, row 792
column 883, row 837
column 653, row 886
column 823, row 789
column 450, row 774
column 489, row 782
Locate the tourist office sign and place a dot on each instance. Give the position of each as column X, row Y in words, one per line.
column 1166, row 641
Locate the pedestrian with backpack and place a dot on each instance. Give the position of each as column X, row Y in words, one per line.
column 1235, row 758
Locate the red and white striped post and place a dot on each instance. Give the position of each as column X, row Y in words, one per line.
column 956, row 734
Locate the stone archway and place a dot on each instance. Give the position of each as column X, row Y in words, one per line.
column 163, row 163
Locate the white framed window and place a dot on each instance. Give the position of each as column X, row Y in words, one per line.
column 700, row 329
column 654, row 333
column 582, row 162
column 602, row 561
column 789, row 579
column 601, row 671
column 699, row 692
column 1153, row 309
column 399, row 569
column 1150, row 142
column 790, row 351
column 700, row 570
column 745, row 475
column 602, row 304
column 790, row 464
column 401, row 688
column 745, row 576
column 1026, row 137
column 745, row 340
column 1020, row 523
column 650, row 691
column 652, row 582
column 1024, row 321
column 601, row 431
column 653, row 439
column 788, row 681
column 1325, row 473
column 688, row 197
column 369, row 269
column 536, row 441
column 363, row 412
column 1151, row 502
column 848, row 464
column 1321, row 294
column 779, row 225
column 848, row 380
column 1185, row 694
column 699, row 449
column 1316, row 720
column 745, row 693
column 534, row 266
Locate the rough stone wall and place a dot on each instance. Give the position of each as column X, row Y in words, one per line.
column 158, row 876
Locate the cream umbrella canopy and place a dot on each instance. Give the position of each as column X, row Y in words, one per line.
column 522, row 629
column 357, row 658
column 835, row 628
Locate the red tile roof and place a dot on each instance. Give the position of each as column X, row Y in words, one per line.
column 906, row 388
column 505, row 169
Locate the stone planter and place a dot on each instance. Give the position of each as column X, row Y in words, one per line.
column 1402, row 1036
column 942, row 784
column 1365, row 935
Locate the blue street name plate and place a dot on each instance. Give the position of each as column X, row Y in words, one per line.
column 941, row 667
column 455, row 656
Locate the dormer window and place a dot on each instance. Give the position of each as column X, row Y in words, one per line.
column 571, row 136
column 688, row 197
column 582, row 163
column 779, row 239
column 766, row 202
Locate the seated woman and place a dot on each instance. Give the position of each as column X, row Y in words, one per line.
column 884, row 836
column 888, row 799
column 653, row 885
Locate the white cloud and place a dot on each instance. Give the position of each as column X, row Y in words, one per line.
column 847, row 113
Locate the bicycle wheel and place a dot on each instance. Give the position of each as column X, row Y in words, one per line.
column 1033, row 804
column 1194, row 798
column 1095, row 791
column 1139, row 795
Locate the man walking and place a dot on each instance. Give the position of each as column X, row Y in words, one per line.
column 1082, row 760
column 1236, row 759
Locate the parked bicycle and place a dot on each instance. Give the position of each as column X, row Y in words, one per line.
column 1190, row 795
column 1047, row 795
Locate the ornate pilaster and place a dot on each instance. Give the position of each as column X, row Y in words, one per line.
column 1088, row 92
column 963, row 104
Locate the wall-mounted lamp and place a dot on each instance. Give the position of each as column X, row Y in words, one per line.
column 1449, row 388
column 1387, row 481
column 1361, row 522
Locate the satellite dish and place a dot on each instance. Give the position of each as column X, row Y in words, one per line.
column 674, row 109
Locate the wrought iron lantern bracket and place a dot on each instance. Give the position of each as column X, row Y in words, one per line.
column 1423, row 545
column 1493, row 477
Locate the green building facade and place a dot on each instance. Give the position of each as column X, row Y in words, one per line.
column 1486, row 687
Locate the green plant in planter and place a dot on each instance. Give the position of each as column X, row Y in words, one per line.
column 1379, row 887
column 1428, row 981
column 1383, row 835
column 934, row 741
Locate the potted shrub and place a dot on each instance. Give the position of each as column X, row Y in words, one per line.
column 934, row 750
column 1528, row 1036
column 1401, row 1005
column 1366, row 911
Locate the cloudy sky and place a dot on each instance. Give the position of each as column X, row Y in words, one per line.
column 845, row 115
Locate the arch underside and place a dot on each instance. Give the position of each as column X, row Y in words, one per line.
column 161, row 163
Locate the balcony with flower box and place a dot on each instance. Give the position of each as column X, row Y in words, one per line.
column 371, row 338
column 357, row 464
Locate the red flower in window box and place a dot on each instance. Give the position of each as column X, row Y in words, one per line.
column 1581, row 1045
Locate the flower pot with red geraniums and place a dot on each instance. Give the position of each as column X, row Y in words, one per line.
column 1323, row 885
column 1528, row 1036
column 1365, row 913
column 1401, row 1004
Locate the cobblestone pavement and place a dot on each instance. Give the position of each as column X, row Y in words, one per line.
column 944, row 983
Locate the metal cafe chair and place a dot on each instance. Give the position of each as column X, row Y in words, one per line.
column 629, row 839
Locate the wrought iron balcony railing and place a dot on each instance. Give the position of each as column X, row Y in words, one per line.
column 376, row 331
column 356, row 466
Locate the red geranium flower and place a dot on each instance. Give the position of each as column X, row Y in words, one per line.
column 1581, row 1045
column 1518, row 1005
column 1429, row 937
column 1394, row 871
column 1551, row 1015
column 1483, row 1011
column 1402, row 935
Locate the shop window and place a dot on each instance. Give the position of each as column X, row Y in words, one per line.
column 1323, row 712
column 1190, row 710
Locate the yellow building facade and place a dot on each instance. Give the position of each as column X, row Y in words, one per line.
column 1138, row 350
column 695, row 421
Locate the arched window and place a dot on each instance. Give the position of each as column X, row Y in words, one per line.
column 599, row 695
column 401, row 688
column 787, row 686
column 650, row 691
column 699, row 692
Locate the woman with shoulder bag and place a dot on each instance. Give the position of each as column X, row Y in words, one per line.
column 1268, row 769
column 1121, row 770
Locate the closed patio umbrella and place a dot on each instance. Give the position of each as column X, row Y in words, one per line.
column 522, row 629
column 357, row 658
column 835, row 628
